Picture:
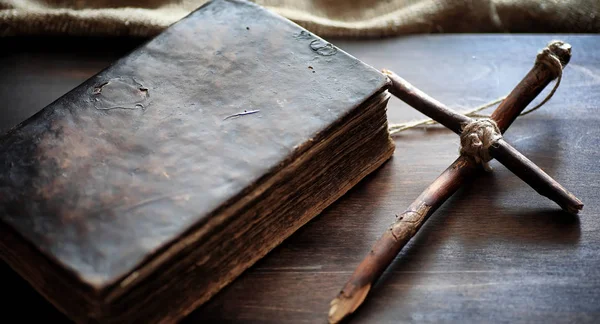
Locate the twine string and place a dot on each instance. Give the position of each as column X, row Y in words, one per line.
column 476, row 139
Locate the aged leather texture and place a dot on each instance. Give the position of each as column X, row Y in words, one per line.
column 157, row 143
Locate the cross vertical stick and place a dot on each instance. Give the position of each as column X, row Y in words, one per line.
column 463, row 169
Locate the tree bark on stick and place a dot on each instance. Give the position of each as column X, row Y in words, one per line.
column 398, row 234
column 461, row 171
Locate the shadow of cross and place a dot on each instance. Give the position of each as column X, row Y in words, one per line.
column 481, row 140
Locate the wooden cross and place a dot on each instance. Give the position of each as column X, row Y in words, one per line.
column 464, row 168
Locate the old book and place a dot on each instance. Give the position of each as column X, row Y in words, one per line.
column 142, row 192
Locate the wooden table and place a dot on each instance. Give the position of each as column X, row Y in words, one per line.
column 495, row 252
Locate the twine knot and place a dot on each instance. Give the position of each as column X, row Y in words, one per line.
column 550, row 59
column 476, row 138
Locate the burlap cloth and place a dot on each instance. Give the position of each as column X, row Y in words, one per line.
column 327, row 18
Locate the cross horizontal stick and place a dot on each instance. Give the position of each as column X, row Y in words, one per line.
column 463, row 169
column 501, row 150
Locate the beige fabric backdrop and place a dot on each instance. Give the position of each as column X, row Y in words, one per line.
column 356, row 18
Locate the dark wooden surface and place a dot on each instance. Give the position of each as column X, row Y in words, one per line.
column 495, row 252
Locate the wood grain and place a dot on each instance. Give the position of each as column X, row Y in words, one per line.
column 494, row 252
